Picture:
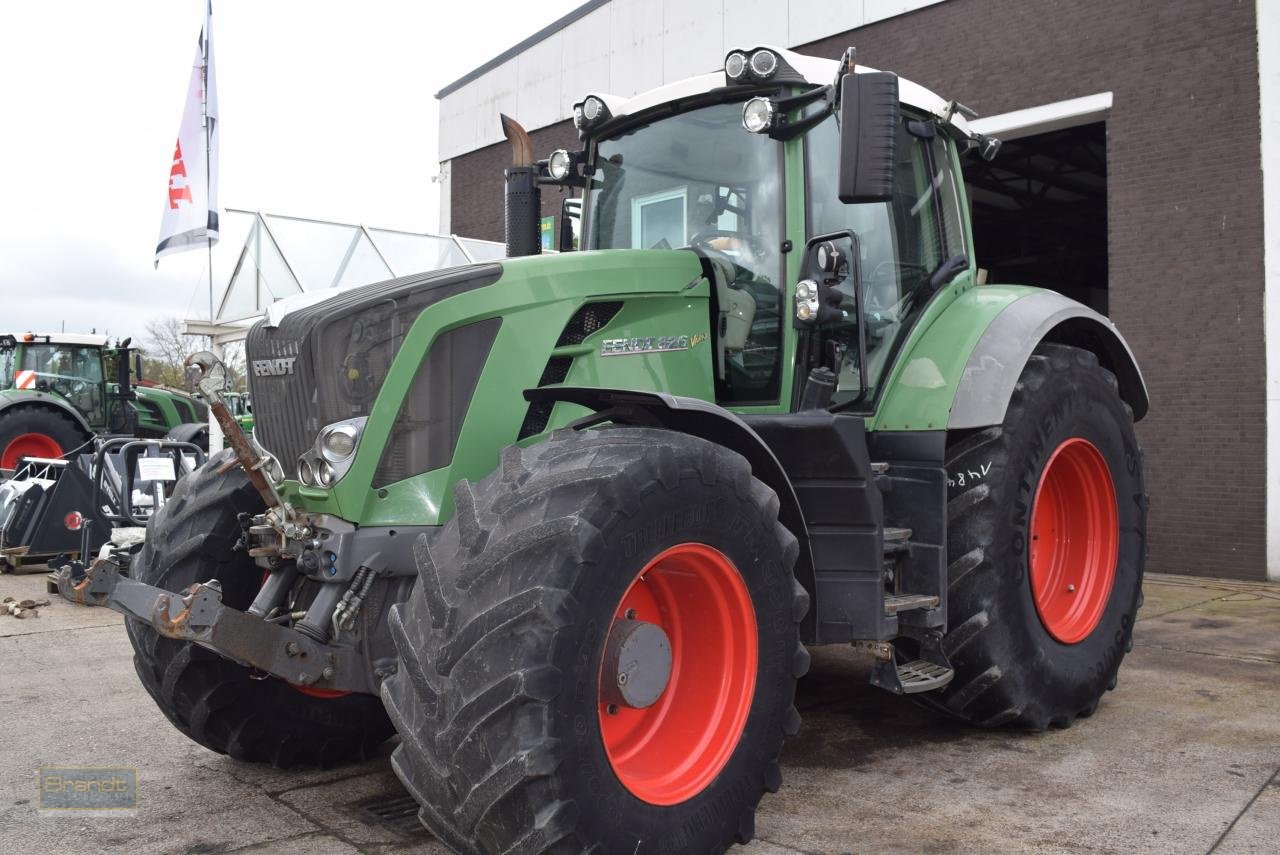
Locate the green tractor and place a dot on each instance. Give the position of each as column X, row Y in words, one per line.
column 240, row 405
column 56, row 393
column 568, row 523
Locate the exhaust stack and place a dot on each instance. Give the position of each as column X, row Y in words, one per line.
column 523, row 197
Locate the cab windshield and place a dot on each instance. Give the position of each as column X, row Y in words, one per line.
column 699, row 180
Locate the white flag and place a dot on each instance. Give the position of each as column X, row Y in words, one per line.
column 191, row 206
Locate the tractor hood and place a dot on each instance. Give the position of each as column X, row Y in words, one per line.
column 327, row 362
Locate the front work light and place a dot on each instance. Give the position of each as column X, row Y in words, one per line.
column 592, row 108
column 735, row 65
column 559, row 164
column 757, row 115
column 764, row 63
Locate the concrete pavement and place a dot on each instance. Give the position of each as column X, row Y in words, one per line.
column 1182, row 758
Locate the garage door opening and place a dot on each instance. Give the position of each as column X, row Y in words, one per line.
column 1040, row 212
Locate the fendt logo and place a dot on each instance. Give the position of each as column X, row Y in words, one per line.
column 273, row 367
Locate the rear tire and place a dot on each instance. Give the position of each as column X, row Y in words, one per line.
column 498, row 695
column 1023, row 655
column 36, row 432
column 222, row 705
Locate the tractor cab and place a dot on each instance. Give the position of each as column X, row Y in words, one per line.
column 67, row 366
column 751, row 169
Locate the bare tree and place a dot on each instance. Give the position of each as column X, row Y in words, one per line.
column 164, row 349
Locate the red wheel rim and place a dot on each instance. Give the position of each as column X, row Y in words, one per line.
column 1075, row 536
column 670, row 751
column 29, row 445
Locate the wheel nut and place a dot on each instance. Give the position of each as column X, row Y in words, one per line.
column 1071, row 589
column 612, row 709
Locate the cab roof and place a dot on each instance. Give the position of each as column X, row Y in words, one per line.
column 61, row 338
column 814, row 70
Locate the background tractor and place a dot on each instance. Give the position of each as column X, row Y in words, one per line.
column 567, row 524
column 59, row 390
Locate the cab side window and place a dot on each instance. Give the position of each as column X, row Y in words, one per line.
column 900, row 242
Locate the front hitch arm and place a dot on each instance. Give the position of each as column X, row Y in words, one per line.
column 199, row 615
column 212, row 383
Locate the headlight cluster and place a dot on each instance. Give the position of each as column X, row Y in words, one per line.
column 331, row 457
column 589, row 112
column 754, row 66
column 806, row 300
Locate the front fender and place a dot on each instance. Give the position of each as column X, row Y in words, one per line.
column 10, row 398
column 959, row 372
column 997, row 360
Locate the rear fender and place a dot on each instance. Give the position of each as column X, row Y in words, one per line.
column 710, row 422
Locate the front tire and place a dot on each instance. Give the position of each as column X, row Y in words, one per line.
column 1046, row 543
column 218, row 703
column 511, row 741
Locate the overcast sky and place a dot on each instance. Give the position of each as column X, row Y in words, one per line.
column 327, row 111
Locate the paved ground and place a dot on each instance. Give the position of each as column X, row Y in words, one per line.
column 1183, row 757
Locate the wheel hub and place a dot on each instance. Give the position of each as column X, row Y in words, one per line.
column 637, row 657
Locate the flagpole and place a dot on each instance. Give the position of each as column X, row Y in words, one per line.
column 208, row 178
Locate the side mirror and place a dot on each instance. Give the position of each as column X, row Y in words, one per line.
column 137, row 365
column 570, row 224
column 869, row 117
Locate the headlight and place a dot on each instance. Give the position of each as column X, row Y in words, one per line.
column 757, row 115
column 764, row 63
column 339, row 443
column 306, row 474
column 333, row 453
column 805, row 289
column 735, row 65
column 558, row 165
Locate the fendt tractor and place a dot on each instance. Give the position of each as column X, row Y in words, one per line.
column 567, row 523
column 57, row 393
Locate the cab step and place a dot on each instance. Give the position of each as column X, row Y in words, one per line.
column 931, row 671
column 909, row 602
column 896, row 540
column 915, row 676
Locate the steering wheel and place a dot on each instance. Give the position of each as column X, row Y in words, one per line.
column 67, row 388
column 704, row 238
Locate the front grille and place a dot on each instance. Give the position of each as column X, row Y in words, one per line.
column 326, row 362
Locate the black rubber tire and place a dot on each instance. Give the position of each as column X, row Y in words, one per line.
column 216, row 702
column 62, row 429
column 501, row 641
column 1009, row 669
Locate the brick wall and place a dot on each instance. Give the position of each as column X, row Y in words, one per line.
column 476, row 183
column 1184, row 212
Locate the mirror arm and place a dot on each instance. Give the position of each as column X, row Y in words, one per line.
column 788, row 130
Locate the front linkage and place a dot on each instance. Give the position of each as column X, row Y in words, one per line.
column 198, row 615
column 302, row 656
